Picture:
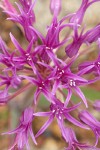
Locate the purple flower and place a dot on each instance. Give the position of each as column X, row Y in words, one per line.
column 79, row 15
column 65, row 79
column 52, row 36
column 78, row 39
column 89, row 120
column 41, row 66
column 96, row 105
column 23, row 130
column 89, row 37
column 55, row 7
column 25, row 16
column 73, row 144
column 92, row 35
column 7, row 6
column 43, row 85
column 8, row 82
column 94, row 66
column 8, row 59
column 58, row 110
column 51, row 41
column 26, row 56
column 73, row 84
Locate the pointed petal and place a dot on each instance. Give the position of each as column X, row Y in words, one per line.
column 80, row 93
column 36, row 94
column 31, row 79
column 30, row 46
column 3, row 47
column 68, row 97
column 74, row 121
column 32, row 135
column 38, row 34
column 14, row 131
column 75, row 77
column 83, row 71
column 44, row 114
column 68, row 109
column 17, row 45
column 45, row 126
column 20, row 8
column 32, row 6
column 89, row 119
column 45, row 65
column 62, row 128
column 55, row 87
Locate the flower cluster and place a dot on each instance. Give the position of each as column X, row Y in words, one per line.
column 49, row 73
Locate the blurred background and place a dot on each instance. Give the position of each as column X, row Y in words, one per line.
column 9, row 115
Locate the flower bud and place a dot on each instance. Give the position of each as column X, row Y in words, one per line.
column 55, row 6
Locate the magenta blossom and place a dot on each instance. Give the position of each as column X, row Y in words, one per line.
column 89, row 120
column 60, row 112
column 78, row 39
column 92, row 35
column 7, row 6
column 43, row 85
column 94, row 66
column 7, row 59
column 26, row 56
column 9, row 82
column 25, row 16
column 65, row 79
column 23, row 130
column 73, row 143
column 79, row 15
column 12, row 81
column 48, row 73
column 51, row 41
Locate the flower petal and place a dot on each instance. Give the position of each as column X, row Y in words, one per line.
column 45, row 126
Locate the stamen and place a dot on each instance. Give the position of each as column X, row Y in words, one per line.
column 98, row 63
column 28, row 57
column 72, row 83
column 40, row 88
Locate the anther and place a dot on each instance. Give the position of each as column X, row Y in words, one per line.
column 98, row 63
column 60, row 117
column 40, row 88
column 72, row 83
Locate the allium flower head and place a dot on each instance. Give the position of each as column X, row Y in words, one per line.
column 57, row 77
